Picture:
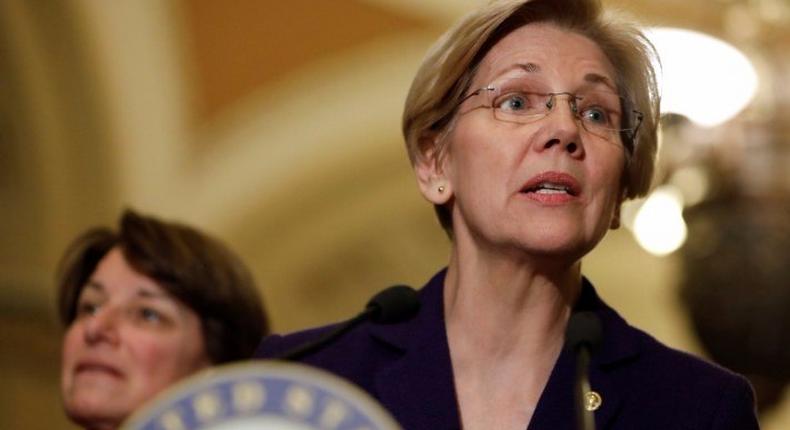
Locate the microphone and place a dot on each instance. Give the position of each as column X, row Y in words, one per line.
column 391, row 305
column 582, row 336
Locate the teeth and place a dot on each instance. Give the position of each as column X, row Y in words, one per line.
column 551, row 191
column 553, row 187
column 549, row 188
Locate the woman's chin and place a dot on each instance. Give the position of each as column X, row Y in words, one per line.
column 95, row 412
column 556, row 244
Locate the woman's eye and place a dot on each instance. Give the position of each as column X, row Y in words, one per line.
column 86, row 309
column 149, row 315
column 595, row 115
column 515, row 102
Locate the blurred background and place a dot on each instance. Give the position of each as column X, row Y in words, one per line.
column 275, row 126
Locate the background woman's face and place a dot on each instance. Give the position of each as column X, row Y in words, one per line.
column 130, row 340
column 494, row 167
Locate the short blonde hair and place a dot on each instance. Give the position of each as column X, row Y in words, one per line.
column 449, row 67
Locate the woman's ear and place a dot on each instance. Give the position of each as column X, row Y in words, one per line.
column 428, row 167
column 615, row 223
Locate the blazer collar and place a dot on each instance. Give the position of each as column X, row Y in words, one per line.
column 419, row 388
column 620, row 345
column 619, row 342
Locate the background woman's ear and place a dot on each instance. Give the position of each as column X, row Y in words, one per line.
column 428, row 166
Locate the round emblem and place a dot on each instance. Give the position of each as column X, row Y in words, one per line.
column 262, row 395
column 592, row 401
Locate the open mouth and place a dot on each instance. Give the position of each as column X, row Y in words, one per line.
column 550, row 188
column 95, row 368
column 552, row 183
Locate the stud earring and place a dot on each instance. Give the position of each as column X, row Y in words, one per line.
column 441, row 189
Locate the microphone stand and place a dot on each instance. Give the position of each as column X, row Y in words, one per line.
column 391, row 305
column 584, row 417
column 583, row 334
column 305, row 349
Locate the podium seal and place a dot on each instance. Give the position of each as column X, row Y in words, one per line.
column 262, row 395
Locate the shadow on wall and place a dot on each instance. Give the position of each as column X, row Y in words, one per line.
column 736, row 287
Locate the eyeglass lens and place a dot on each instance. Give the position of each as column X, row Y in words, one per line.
column 524, row 100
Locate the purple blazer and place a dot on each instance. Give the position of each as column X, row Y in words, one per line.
column 643, row 384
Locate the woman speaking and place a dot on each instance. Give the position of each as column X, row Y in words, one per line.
column 528, row 124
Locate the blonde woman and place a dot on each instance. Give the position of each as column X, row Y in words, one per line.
column 528, row 124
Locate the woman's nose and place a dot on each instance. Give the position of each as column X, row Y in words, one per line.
column 102, row 326
column 563, row 127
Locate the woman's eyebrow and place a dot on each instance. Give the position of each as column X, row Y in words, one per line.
column 595, row 78
column 94, row 285
column 527, row 67
column 149, row 294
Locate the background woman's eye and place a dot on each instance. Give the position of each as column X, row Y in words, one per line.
column 149, row 315
column 87, row 308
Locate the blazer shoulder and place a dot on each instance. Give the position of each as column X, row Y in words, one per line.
column 716, row 396
column 672, row 360
column 352, row 348
column 274, row 345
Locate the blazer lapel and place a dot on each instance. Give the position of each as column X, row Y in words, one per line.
column 610, row 397
column 556, row 405
column 555, row 408
column 418, row 386
column 620, row 346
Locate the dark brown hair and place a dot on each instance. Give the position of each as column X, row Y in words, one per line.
column 195, row 269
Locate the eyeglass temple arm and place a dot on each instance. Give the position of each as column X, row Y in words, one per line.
column 639, row 118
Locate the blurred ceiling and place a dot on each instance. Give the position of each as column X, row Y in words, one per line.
column 259, row 121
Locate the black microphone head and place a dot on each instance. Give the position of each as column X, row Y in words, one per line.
column 394, row 304
column 584, row 330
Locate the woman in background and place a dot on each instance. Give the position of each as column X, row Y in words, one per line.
column 528, row 124
column 144, row 307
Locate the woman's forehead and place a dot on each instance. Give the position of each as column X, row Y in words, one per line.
column 546, row 51
column 114, row 276
column 127, row 291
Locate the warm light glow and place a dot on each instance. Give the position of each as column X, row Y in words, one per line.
column 659, row 227
column 702, row 78
column 692, row 182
